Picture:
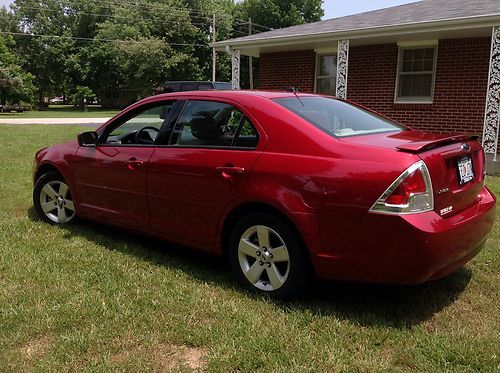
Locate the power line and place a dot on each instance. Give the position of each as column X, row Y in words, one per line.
column 108, row 15
column 179, row 11
column 78, row 12
column 240, row 32
column 99, row 39
column 244, row 31
column 207, row 13
column 148, row 6
column 145, row 7
column 243, row 22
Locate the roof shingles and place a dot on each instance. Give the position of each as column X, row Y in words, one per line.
column 419, row 12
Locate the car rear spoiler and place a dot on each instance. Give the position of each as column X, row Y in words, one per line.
column 421, row 146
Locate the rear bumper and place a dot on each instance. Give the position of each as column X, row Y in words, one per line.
column 407, row 249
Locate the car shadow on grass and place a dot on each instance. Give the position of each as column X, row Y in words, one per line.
column 364, row 304
column 385, row 305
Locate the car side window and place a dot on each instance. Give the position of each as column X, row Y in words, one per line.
column 207, row 123
column 142, row 128
column 247, row 137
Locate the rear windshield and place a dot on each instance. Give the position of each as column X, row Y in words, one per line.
column 338, row 118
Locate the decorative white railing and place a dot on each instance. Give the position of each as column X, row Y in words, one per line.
column 342, row 68
column 492, row 110
column 235, row 63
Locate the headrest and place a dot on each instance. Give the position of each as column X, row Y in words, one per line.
column 205, row 128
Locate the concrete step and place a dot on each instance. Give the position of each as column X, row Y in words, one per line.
column 492, row 167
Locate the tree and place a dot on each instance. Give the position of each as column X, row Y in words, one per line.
column 15, row 84
column 272, row 14
column 106, row 45
column 81, row 96
column 111, row 44
column 9, row 22
column 280, row 13
column 44, row 56
column 223, row 10
column 139, row 47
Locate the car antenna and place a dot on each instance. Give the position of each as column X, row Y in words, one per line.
column 294, row 90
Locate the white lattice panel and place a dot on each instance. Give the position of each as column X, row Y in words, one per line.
column 235, row 77
column 342, row 68
column 492, row 111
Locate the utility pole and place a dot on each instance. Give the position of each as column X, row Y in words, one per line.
column 214, row 56
column 250, row 59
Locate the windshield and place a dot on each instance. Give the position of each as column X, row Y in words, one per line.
column 338, row 118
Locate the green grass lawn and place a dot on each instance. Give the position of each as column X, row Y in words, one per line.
column 93, row 298
column 63, row 111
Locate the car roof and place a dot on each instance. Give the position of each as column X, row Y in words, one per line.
column 233, row 94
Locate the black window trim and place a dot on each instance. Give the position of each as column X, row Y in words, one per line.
column 169, row 125
column 133, row 113
column 176, row 128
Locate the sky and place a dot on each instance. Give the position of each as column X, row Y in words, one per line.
column 339, row 8
column 335, row 8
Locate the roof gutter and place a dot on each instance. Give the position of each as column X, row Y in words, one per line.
column 377, row 31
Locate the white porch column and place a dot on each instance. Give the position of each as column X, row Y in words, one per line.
column 235, row 62
column 342, row 68
column 492, row 110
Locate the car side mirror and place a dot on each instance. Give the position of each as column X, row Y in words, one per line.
column 88, row 138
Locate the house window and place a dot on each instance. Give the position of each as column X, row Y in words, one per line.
column 326, row 74
column 416, row 72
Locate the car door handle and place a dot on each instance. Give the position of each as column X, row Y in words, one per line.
column 134, row 164
column 228, row 171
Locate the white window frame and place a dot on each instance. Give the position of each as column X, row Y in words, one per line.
column 320, row 53
column 416, row 45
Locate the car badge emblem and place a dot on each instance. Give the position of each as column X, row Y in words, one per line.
column 465, row 146
column 446, row 210
column 442, row 191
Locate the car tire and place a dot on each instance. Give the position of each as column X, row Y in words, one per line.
column 52, row 199
column 267, row 256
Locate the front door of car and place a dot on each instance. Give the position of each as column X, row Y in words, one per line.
column 110, row 178
column 204, row 167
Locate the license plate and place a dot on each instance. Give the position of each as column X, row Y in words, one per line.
column 465, row 171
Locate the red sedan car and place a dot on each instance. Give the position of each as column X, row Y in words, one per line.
column 283, row 184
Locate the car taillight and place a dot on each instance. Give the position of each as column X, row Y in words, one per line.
column 410, row 193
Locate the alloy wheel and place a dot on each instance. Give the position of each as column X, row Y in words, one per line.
column 56, row 202
column 264, row 258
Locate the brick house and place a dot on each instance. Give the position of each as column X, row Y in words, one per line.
column 432, row 65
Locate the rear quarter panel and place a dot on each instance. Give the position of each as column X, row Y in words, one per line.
column 354, row 176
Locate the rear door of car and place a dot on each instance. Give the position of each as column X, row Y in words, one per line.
column 201, row 169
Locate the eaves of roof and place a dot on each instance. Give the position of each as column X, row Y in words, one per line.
column 360, row 33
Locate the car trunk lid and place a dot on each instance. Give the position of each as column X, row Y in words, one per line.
column 455, row 163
